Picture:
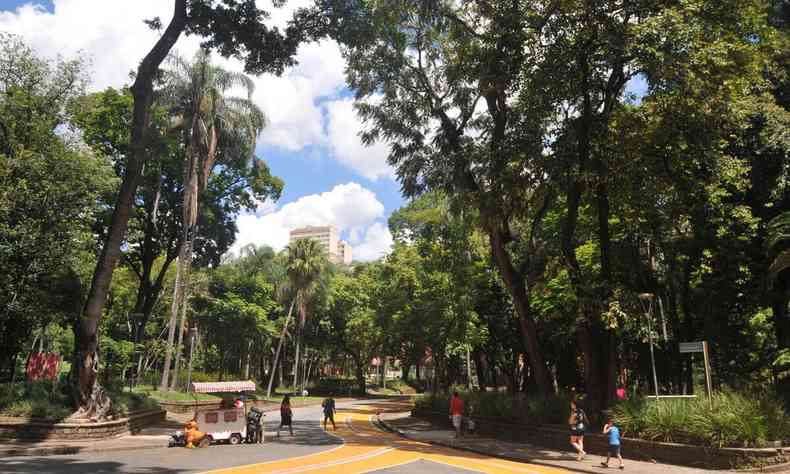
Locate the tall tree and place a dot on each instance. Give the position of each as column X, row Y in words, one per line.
column 440, row 82
column 212, row 121
column 306, row 262
column 51, row 192
column 233, row 27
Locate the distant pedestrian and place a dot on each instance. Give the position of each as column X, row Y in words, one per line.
column 329, row 412
column 457, row 413
column 613, row 431
column 286, row 415
column 577, row 421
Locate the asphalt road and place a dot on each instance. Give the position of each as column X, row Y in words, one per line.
column 358, row 446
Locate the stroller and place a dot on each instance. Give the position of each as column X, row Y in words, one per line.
column 254, row 426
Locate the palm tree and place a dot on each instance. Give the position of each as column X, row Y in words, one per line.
column 213, row 123
column 306, row 262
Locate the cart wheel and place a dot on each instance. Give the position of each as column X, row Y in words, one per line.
column 235, row 438
column 204, row 443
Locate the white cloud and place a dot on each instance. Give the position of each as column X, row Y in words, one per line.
column 343, row 132
column 376, row 243
column 302, row 105
column 351, row 207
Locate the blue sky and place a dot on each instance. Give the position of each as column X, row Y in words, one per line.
column 311, row 141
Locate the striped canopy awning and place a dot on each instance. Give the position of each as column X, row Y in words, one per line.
column 214, row 387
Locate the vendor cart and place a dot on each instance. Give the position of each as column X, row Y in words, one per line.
column 228, row 424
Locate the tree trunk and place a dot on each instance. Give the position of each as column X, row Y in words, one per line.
column 184, row 299
column 247, row 359
column 189, row 217
column 360, row 376
column 517, row 286
column 91, row 400
column 780, row 296
column 296, row 359
column 279, row 349
column 480, row 368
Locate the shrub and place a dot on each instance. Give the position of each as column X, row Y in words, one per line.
column 731, row 419
column 527, row 409
column 335, row 387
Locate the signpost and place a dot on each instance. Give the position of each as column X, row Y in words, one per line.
column 696, row 347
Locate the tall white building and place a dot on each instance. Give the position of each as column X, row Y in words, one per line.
column 345, row 252
column 339, row 252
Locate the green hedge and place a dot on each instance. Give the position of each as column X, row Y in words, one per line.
column 335, row 387
column 732, row 419
column 534, row 409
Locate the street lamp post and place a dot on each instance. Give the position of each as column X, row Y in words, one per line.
column 647, row 305
column 192, row 335
column 136, row 322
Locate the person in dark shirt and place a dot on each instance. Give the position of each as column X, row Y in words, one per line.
column 329, row 412
column 286, row 415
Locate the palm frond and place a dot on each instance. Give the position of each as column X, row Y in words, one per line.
column 226, row 80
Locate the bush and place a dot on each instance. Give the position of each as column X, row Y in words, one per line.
column 731, row 419
column 526, row 409
column 335, row 387
column 124, row 403
column 39, row 399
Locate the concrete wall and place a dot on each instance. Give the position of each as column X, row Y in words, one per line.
column 31, row 428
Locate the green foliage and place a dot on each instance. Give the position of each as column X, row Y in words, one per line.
column 335, row 387
column 49, row 195
column 731, row 419
column 527, row 409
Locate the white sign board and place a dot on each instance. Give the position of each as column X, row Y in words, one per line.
column 687, row 347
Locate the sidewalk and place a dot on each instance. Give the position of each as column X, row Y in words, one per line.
column 421, row 430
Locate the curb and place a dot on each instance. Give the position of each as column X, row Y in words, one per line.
column 776, row 468
column 72, row 449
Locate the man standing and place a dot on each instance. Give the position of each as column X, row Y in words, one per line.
column 329, row 412
column 457, row 413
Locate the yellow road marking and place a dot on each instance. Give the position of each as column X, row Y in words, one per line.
column 367, row 449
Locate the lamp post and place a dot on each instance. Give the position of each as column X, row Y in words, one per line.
column 192, row 336
column 647, row 305
column 136, row 320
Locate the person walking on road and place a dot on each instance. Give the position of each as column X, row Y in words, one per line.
column 457, row 413
column 286, row 415
column 614, row 442
column 577, row 421
column 329, row 412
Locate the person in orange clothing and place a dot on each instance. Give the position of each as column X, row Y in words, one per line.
column 457, row 413
column 192, row 434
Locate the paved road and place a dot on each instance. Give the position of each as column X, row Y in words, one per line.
column 357, row 446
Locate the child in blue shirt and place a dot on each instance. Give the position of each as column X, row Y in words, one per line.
column 614, row 442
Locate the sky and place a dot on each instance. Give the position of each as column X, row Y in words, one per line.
column 311, row 140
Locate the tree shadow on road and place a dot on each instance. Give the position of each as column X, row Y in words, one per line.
column 59, row 465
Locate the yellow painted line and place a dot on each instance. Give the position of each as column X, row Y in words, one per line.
column 367, row 448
